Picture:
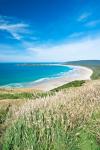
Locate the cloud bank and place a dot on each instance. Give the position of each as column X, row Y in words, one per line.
column 80, row 50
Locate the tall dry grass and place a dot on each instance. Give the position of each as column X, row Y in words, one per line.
column 68, row 120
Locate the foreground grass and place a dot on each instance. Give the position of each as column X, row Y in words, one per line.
column 68, row 120
column 18, row 98
column 39, row 133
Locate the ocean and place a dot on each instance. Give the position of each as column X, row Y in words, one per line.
column 24, row 75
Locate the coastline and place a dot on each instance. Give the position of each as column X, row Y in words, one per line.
column 78, row 73
column 47, row 84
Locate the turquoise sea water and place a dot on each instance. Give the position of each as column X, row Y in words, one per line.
column 19, row 75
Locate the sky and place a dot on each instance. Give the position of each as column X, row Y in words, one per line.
column 49, row 30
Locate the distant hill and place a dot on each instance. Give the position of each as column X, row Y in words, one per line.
column 93, row 64
column 84, row 62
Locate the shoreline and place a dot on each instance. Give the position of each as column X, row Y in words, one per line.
column 78, row 73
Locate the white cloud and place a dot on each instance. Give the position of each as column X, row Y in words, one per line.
column 9, row 53
column 76, row 34
column 88, row 48
column 16, row 30
column 84, row 49
column 93, row 23
column 84, row 16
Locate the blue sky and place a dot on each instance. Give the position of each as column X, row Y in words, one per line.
column 49, row 30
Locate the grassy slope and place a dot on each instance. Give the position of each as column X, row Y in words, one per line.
column 19, row 98
column 68, row 120
column 68, row 85
column 22, row 95
column 93, row 64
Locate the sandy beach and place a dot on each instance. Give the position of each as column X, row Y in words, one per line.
column 78, row 73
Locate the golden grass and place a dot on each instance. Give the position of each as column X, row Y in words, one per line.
column 71, row 108
column 18, row 90
column 78, row 100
